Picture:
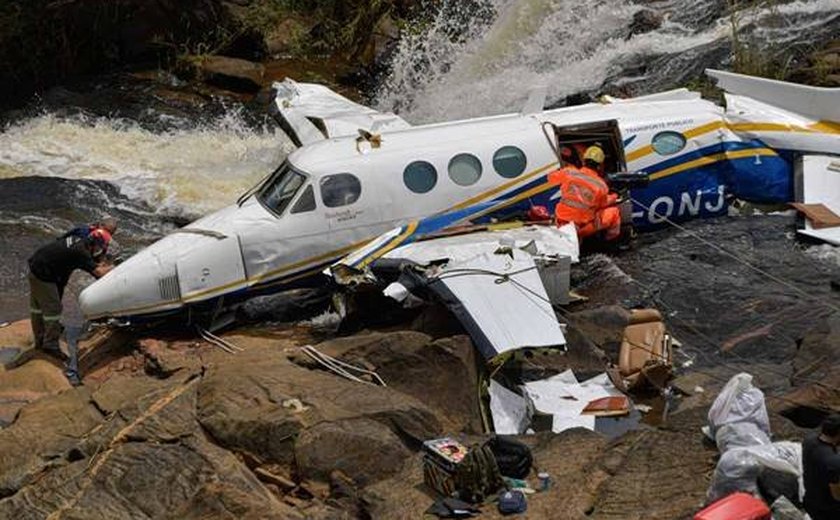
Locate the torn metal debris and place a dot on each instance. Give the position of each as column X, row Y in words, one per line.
column 493, row 278
column 818, row 191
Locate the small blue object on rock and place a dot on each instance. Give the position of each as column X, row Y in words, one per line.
column 512, row 502
column 545, row 480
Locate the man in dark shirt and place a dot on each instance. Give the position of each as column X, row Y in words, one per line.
column 821, row 468
column 49, row 271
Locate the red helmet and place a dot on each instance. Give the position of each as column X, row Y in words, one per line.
column 99, row 239
column 537, row 214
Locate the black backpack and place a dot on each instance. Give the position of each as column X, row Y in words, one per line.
column 513, row 458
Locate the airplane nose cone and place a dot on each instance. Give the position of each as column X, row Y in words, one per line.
column 102, row 298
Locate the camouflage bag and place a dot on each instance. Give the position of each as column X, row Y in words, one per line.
column 478, row 476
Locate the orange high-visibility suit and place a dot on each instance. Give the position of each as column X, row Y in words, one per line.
column 586, row 201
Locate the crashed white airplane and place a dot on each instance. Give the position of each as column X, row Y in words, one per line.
column 363, row 183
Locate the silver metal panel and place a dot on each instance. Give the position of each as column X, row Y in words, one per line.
column 218, row 265
column 506, row 300
column 819, row 176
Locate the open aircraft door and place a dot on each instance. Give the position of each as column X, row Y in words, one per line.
column 606, row 134
column 219, row 267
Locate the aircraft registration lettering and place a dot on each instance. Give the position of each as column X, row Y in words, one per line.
column 686, row 204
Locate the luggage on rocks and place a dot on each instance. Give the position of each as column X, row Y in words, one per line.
column 513, row 457
column 450, row 468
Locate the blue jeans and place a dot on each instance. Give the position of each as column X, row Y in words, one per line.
column 72, row 334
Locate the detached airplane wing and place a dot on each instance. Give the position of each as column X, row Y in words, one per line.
column 311, row 113
column 499, row 280
column 799, row 119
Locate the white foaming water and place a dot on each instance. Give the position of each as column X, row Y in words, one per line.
column 190, row 171
column 563, row 45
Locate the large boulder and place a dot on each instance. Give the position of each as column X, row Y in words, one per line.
column 363, row 449
column 442, row 374
column 43, row 436
column 131, row 448
column 645, row 21
column 815, row 376
column 259, row 402
column 230, row 73
column 191, row 479
column 17, row 334
column 40, row 377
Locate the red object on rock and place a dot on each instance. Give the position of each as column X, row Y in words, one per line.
column 737, row 506
column 538, row 214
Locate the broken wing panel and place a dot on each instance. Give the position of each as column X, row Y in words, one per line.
column 501, row 301
column 820, row 184
column 818, row 103
column 541, row 240
column 781, row 129
column 311, row 113
column 784, row 116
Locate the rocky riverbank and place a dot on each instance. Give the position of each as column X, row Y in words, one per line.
column 44, row 43
column 236, row 48
column 167, row 426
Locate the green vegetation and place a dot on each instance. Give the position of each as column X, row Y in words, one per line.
column 749, row 56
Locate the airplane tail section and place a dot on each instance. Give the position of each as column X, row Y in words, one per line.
column 309, row 113
column 819, row 103
column 784, row 116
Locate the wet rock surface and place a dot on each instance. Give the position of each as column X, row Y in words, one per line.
column 168, row 426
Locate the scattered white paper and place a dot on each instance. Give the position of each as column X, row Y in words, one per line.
column 509, row 410
column 564, row 398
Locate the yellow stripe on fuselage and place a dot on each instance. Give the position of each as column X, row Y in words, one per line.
column 820, row 127
column 396, row 241
column 522, row 179
column 689, row 134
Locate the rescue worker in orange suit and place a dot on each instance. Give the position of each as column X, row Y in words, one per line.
column 585, row 198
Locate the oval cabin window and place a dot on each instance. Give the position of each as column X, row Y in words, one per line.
column 420, row 176
column 509, row 161
column 668, row 142
column 465, row 169
column 340, row 190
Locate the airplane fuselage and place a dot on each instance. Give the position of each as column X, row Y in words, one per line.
column 330, row 197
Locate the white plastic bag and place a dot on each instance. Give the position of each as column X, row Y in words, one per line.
column 738, row 468
column 739, row 403
column 739, row 435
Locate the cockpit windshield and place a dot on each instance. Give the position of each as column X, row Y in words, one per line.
column 279, row 190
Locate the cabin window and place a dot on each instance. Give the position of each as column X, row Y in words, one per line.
column 280, row 189
column 340, row 190
column 668, row 142
column 509, row 161
column 420, row 176
column 465, row 169
column 306, row 202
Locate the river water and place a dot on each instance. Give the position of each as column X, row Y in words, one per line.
column 117, row 147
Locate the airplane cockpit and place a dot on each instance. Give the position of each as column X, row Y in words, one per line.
column 278, row 191
column 281, row 188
